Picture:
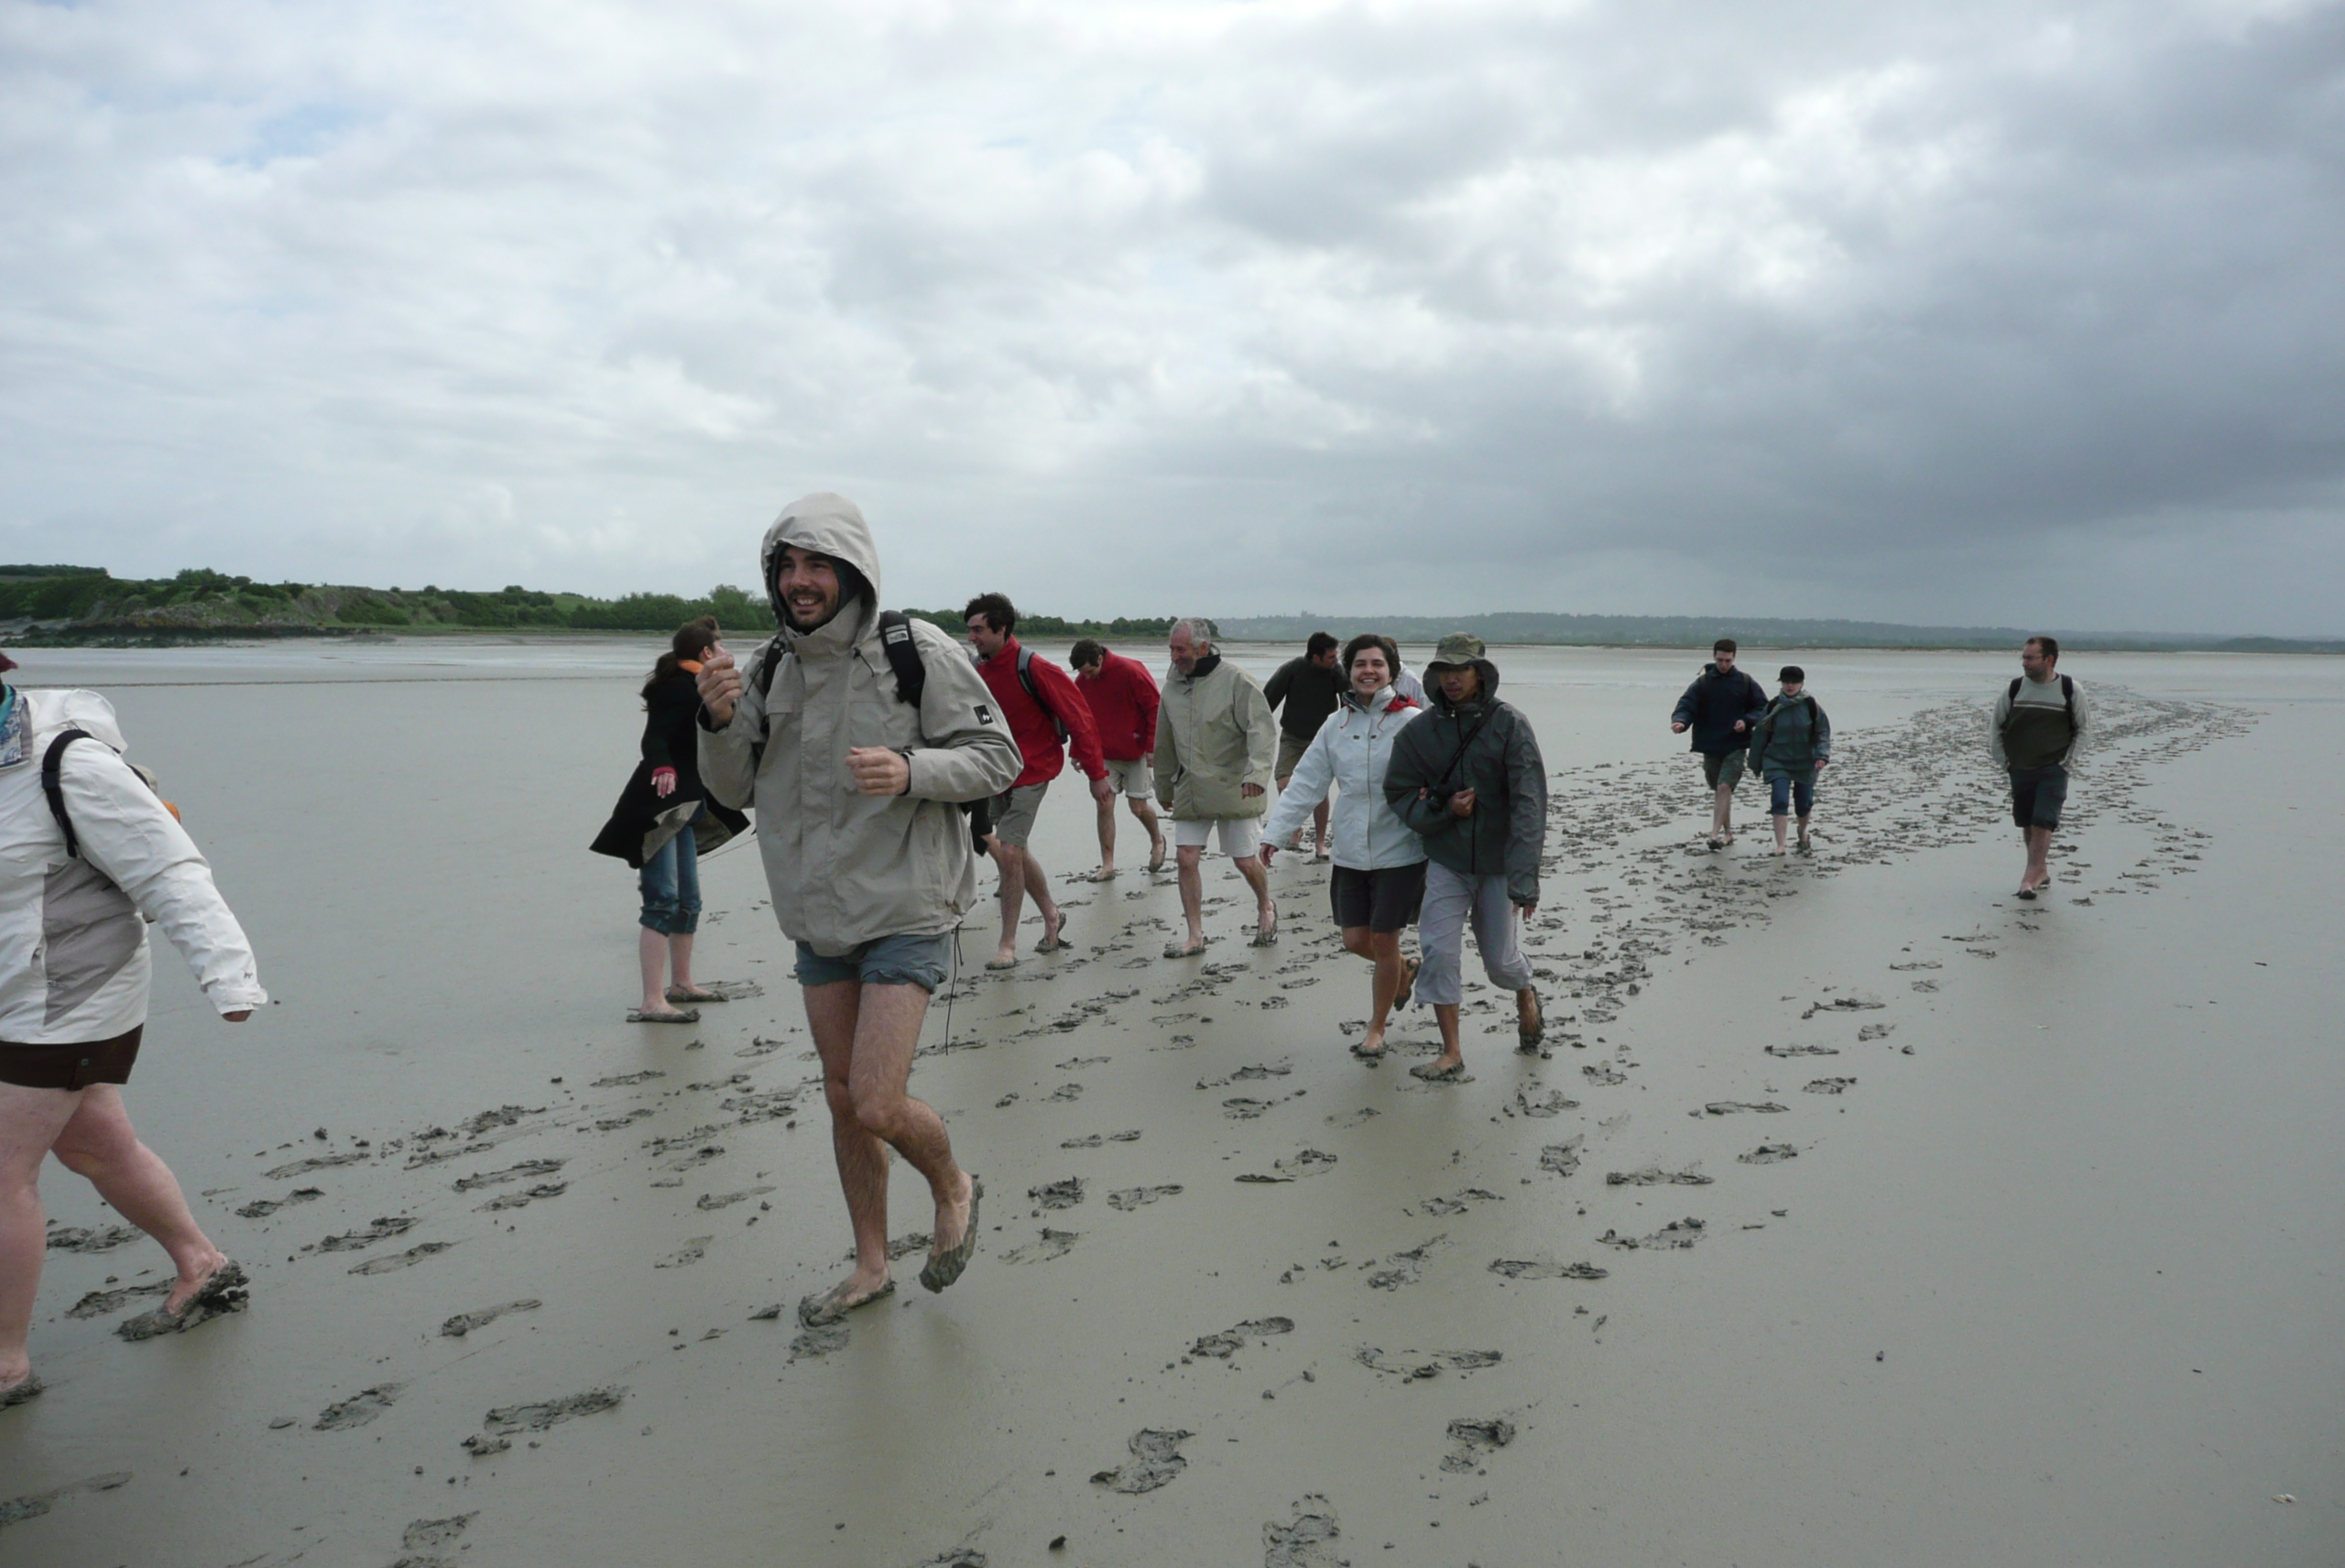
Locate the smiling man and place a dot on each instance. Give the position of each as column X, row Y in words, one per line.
column 857, row 792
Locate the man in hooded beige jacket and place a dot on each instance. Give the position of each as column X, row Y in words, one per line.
column 855, row 794
column 1215, row 743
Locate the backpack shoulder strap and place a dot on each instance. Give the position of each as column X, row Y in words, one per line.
column 903, row 655
column 1035, row 689
column 2014, row 693
column 765, row 665
column 52, row 785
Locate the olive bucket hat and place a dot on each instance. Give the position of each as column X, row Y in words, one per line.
column 1458, row 650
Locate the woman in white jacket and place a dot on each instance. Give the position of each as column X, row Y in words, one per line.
column 73, row 982
column 1379, row 877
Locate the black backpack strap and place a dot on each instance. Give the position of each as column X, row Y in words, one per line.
column 2068, row 700
column 1033, row 690
column 903, row 655
column 52, row 785
column 766, row 666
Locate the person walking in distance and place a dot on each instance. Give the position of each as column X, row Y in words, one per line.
column 89, row 855
column 1307, row 688
column 1719, row 707
column 1121, row 695
column 1790, row 744
column 2039, row 727
column 1468, row 778
column 856, row 788
column 1214, row 740
column 1047, row 718
column 1379, row 874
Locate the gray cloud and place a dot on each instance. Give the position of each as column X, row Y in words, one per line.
column 2008, row 313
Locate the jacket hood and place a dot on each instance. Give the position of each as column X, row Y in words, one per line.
column 1440, row 699
column 826, row 524
column 1389, row 698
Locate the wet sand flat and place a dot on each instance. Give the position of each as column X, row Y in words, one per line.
column 1855, row 1214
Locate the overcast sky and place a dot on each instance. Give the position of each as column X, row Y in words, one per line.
column 1901, row 309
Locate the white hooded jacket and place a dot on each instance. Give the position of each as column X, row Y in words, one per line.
column 1351, row 751
column 846, row 868
column 74, row 963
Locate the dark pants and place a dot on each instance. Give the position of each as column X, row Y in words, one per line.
column 2038, row 795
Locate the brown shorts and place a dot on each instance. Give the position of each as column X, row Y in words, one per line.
column 71, row 1066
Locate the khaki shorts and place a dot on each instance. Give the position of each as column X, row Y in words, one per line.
column 1135, row 778
column 1241, row 837
column 1290, row 750
column 1014, row 811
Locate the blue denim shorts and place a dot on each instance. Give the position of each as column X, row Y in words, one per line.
column 1785, row 785
column 922, row 961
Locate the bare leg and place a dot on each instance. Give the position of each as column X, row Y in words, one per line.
column 1385, row 947
column 30, row 1120
column 99, row 1145
column 1193, row 890
column 651, row 954
column 2039, row 856
column 680, row 961
column 1783, row 830
column 1038, row 887
column 865, row 1035
column 1107, row 837
column 1319, row 830
column 1145, row 809
column 1266, row 913
column 1451, row 1055
column 1804, row 841
column 1012, row 859
column 1722, row 813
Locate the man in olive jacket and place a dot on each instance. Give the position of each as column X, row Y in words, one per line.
column 1469, row 777
column 1215, row 743
column 865, row 853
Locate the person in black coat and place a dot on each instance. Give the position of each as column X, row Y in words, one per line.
column 662, row 821
column 1719, row 707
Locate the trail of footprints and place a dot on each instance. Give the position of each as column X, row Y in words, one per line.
column 1624, row 891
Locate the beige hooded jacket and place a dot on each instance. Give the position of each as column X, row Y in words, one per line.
column 844, row 867
column 1215, row 734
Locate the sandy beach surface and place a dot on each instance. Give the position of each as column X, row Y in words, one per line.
column 1855, row 1213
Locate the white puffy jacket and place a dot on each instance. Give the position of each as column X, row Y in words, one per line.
column 74, row 963
column 1351, row 751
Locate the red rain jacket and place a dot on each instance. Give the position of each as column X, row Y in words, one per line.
column 1035, row 732
column 1123, row 704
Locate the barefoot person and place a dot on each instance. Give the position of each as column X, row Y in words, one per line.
column 1215, row 744
column 864, row 850
column 1789, row 745
column 1306, row 691
column 89, row 854
column 660, row 826
column 1468, row 778
column 1379, row 876
column 1719, row 707
column 2039, row 725
column 1121, row 695
column 1047, row 717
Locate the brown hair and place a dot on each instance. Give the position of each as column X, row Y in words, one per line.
column 1373, row 639
column 692, row 639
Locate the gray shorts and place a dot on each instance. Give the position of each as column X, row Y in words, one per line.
column 1014, row 811
column 1291, row 749
column 2038, row 795
column 1134, row 778
column 921, row 960
column 1724, row 767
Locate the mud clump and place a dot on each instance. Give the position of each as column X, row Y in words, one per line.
column 1064, row 1194
column 359, row 1409
column 1769, row 1154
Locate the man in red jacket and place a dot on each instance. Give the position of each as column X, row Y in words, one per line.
column 1122, row 695
column 1046, row 715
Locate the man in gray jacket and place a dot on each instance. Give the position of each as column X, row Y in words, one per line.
column 1215, row 743
column 856, row 793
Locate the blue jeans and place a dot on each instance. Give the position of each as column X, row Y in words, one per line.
column 1784, row 786
column 670, row 884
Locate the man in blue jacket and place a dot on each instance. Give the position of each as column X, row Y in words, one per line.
column 1719, row 707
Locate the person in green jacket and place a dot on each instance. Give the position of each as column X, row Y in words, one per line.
column 1791, row 741
column 1468, row 778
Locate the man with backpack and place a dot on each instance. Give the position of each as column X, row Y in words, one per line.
column 1467, row 777
column 865, row 852
column 1047, row 716
column 1719, row 707
column 1791, row 740
column 2040, row 721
